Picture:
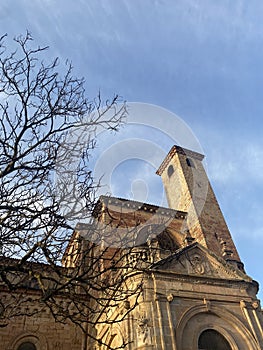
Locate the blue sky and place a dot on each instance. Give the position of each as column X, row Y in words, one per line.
column 201, row 60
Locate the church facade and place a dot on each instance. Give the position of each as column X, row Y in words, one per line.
column 195, row 294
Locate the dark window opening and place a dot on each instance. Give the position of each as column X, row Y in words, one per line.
column 190, row 162
column 170, row 170
column 212, row 340
column 27, row 346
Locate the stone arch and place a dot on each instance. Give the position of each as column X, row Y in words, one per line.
column 148, row 232
column 159, row 233
column 222, row 331
column 212, row 339
column 38, row 340
column 27, row 346
column 114, row 337
column 167, row 240
column 200, row 318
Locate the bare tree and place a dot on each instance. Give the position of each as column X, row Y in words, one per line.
column 46, row 122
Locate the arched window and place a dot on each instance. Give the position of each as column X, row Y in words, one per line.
column 27, row 346
column 190, row 162
column 212, row 340
column 170, row 170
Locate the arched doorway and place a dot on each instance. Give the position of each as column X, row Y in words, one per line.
column 210, row 339
column 27, row 346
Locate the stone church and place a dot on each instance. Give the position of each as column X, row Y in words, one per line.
column 195, row 293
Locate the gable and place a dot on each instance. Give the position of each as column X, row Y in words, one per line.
column 195, row 260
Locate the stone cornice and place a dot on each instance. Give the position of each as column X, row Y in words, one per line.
column 136, row 206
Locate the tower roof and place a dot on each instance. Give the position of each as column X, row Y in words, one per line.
column 177, row 149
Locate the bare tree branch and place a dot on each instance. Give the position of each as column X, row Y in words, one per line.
column 48, row 130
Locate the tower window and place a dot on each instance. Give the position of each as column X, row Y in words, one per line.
column 170, row 170
column 212, row 340
column 190, row 162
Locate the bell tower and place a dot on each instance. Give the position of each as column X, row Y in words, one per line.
column 188, row 189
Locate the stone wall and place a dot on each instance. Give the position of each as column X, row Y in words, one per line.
column 42, row 331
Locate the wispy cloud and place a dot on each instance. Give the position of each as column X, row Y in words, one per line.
column 240, row 165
